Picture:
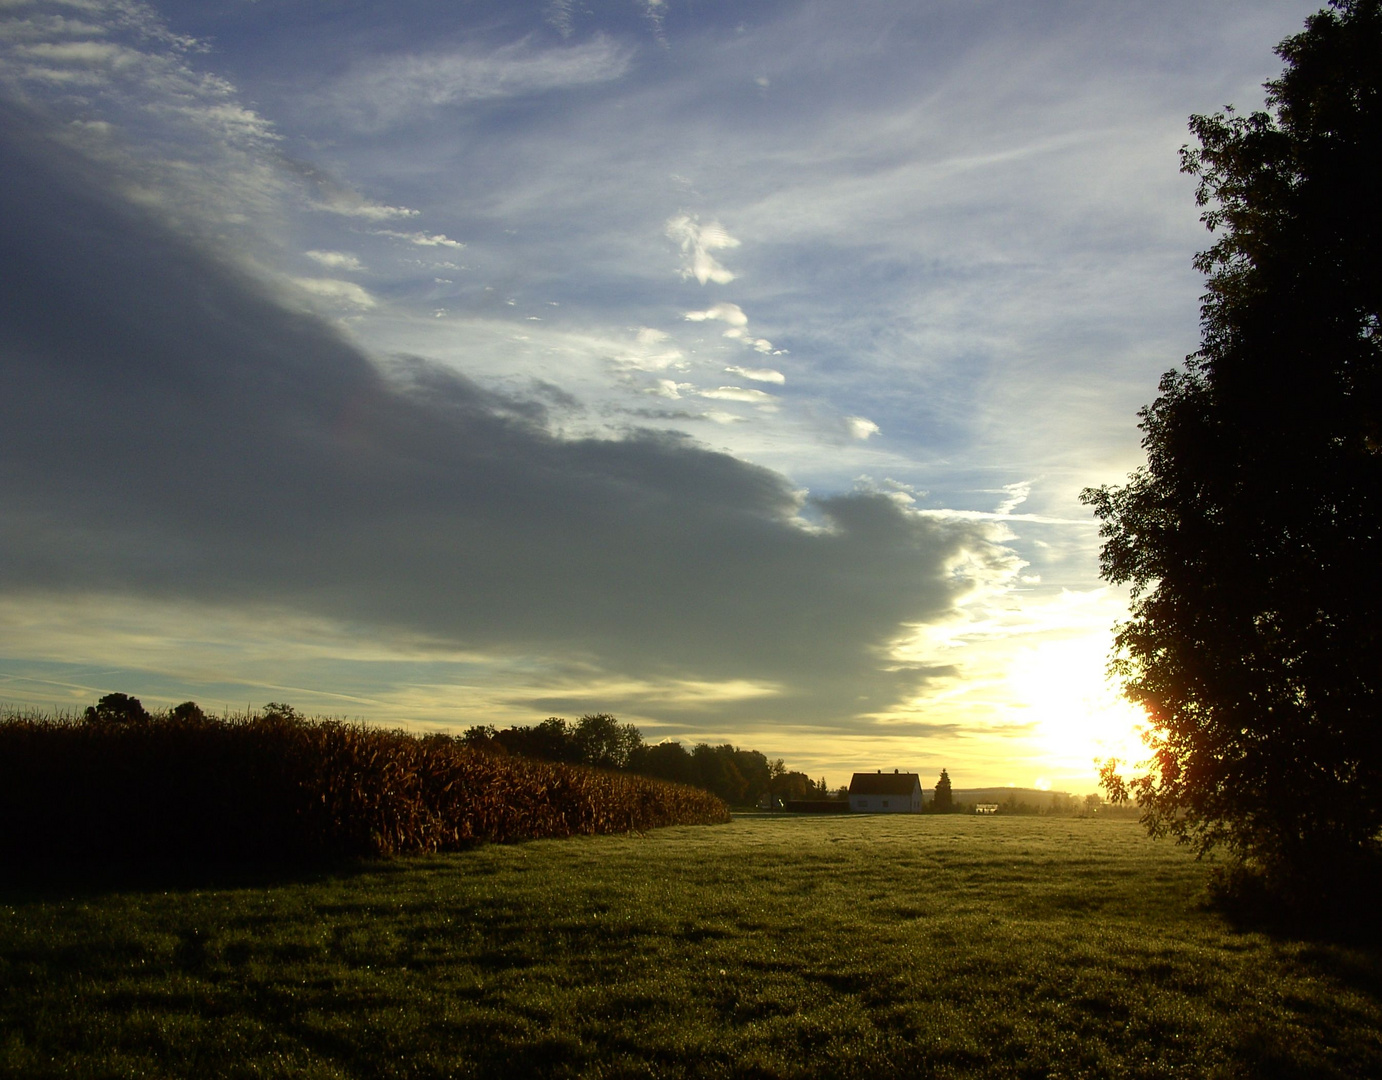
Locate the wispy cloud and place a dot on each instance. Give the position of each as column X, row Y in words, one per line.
column 738, row 322
column 337, row 260
column 352, row 204
column 422, row 239
column 697, row 241
column 737, row 393
column 345, row 292
column 726, row 313
column 406, row 87
column 860, row 427
column 765, row 375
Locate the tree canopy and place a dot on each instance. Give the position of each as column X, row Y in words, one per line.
column 1251, row 539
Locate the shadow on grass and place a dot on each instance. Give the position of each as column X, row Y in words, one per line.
column 1339, row 924
column 1343, row 912
column 67, row 879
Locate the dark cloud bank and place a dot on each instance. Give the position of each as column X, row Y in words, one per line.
column 170, row 430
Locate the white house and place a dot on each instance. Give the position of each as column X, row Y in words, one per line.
column 885, row 793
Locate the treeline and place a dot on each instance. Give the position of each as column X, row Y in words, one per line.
column 120, row 784
column 739, row 777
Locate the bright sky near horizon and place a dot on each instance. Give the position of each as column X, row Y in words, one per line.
column 732, row 368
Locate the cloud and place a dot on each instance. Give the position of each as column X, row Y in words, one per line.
column 346, row 292
column 1016, row 495
column 762, row 345
column 422, row 239
column 656, row 13
column 406, row 88
column 235, row 452
column 697, row 241
column 735, row 393
column 727, row 313
column 348, row 203
column 174, row 137
column 738, row 324
column 767, row 375
column 560, row 17
column 859, row 427
column 337, row 260
column 650, row 355
column 670, row 388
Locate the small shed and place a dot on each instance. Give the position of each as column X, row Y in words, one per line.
column 885, row 793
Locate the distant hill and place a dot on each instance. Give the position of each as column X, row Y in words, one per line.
column 1031, row 796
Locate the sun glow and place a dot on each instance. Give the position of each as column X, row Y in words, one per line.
column 1076, row 715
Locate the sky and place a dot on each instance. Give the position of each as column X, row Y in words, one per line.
column 733, row 368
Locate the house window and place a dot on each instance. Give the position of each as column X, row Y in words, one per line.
column 885, row 804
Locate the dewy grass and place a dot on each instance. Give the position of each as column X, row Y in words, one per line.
column 831, row 946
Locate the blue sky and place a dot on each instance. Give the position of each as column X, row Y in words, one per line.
column 732, row 368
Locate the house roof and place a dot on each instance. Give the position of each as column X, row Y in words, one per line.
column 884, row 783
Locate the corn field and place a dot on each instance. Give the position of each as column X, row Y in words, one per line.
column 268, row 787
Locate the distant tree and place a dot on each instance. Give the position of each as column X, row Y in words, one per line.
column 604, row 742
column 554, row 740
column 756, row 770
column 189, row 712
column 795, row 785
column 666, row 761
column 482, row 737
column 116, row 709
column 1252, row 538
column 777, row 771
column 943, row 801
column 718, row 774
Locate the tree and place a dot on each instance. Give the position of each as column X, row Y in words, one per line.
column 943, row 801
column 604, row 742
column 666, row 760
column 189, row 712
column 717, row 773
column 116, row 709
column 1252, row 538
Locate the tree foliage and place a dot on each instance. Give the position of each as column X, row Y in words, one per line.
column 1252, row 539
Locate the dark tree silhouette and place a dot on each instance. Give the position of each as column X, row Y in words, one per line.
column 943, row 801
column 116, row 709
column 1252, row 539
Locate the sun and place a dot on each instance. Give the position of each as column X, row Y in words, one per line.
column 1077, row 717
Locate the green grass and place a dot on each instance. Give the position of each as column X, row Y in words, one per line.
column 839, row 946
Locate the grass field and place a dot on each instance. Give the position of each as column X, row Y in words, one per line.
column 773, row 946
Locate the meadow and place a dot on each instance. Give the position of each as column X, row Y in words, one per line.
column 773, row 946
